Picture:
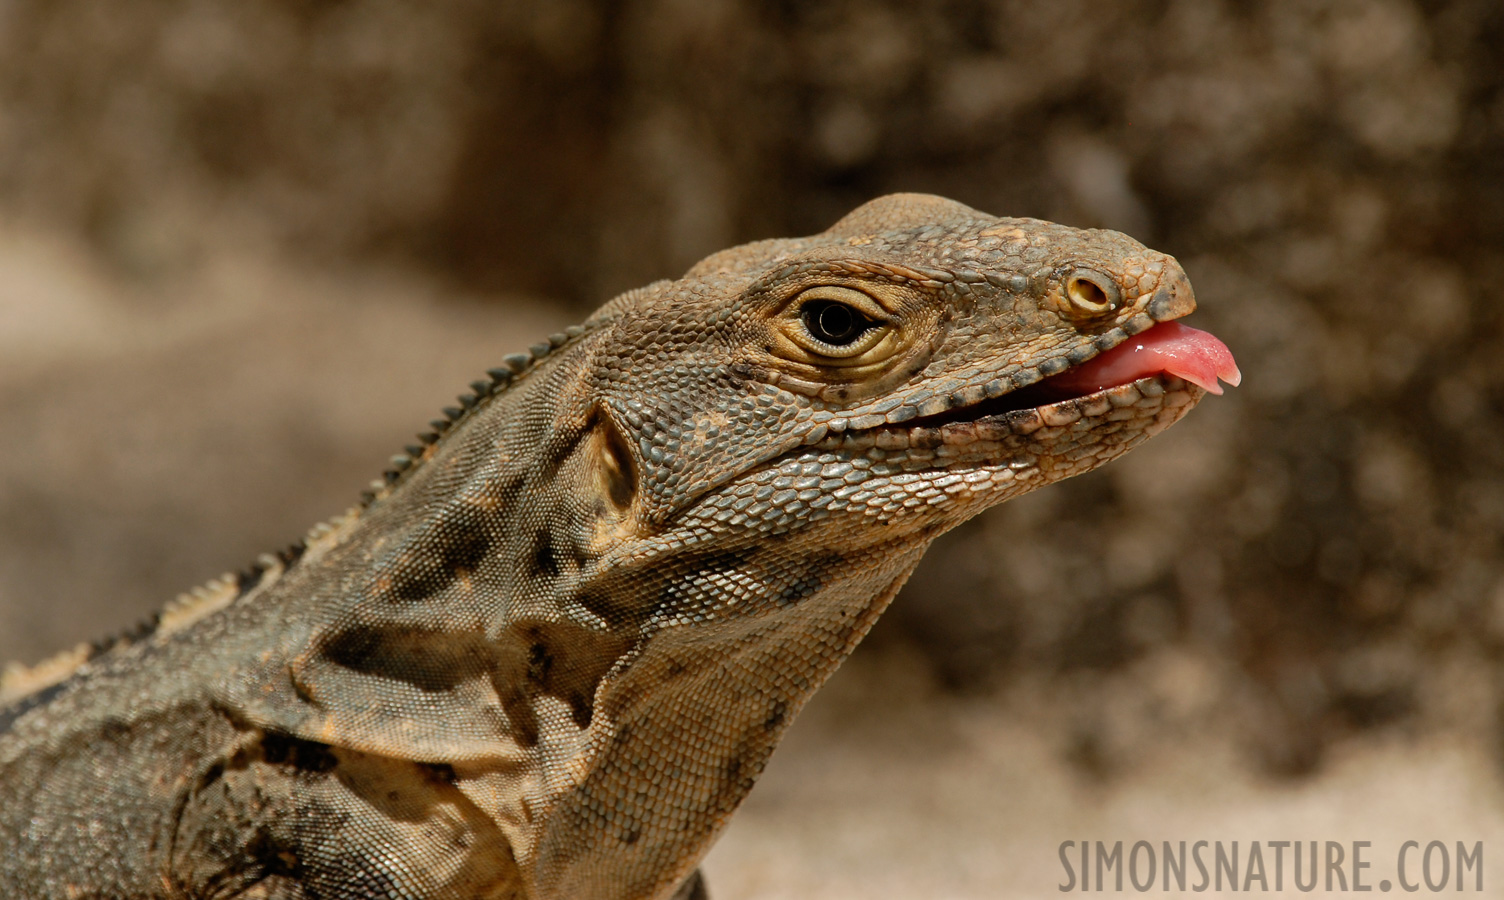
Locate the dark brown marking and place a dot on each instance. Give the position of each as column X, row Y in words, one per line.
column 427, row 659
column 31, row 701
column 740, row 771
column 115, row 730
column 211, row 775
column 581, row 712
column 541, row 674
column 439, row 773
column 456, row 546
column 697, row 567
column 539, row 661
column 268, row 859
column 563, row 661
column 578, row 555
column 421, row 580
column 465, row 550
column 517, row 703
column 248, row 578
column 1160, row 304
column 810, row 582
column 545, row 564
column 777, row 715
column 143, row 629
column 290, row 554
column 308, row 756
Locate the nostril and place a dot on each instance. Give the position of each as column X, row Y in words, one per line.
column 1172, row 299
column 1086, row 293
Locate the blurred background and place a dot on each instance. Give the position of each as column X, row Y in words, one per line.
column 247, row 249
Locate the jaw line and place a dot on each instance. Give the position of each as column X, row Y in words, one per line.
column 989, row 422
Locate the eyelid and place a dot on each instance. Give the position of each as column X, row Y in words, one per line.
column 861, row 301
column 864, row 342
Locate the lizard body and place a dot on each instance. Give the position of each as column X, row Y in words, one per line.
column 551, row 652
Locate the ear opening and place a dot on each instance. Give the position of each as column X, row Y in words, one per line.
column 618, row 469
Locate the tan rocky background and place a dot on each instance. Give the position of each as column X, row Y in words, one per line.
column 247, row 248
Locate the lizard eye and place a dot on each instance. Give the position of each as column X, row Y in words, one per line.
column 1091, row 293
column 834, row 323
column 832, row 332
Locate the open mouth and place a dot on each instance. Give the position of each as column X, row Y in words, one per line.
column 1169, row 348
column 1182, row 351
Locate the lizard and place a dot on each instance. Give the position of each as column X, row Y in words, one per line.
column 551, row 650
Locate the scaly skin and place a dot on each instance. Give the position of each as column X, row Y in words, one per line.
column 550, row 655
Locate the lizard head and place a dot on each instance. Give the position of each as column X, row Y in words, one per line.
column 910, row 366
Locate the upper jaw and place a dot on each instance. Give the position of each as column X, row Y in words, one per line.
column 965, row 431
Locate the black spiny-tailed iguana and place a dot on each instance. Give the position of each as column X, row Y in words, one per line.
column 550, row 654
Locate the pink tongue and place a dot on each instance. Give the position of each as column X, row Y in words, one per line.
column 1170, row 347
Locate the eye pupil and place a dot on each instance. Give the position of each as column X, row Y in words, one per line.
column 834, row 323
